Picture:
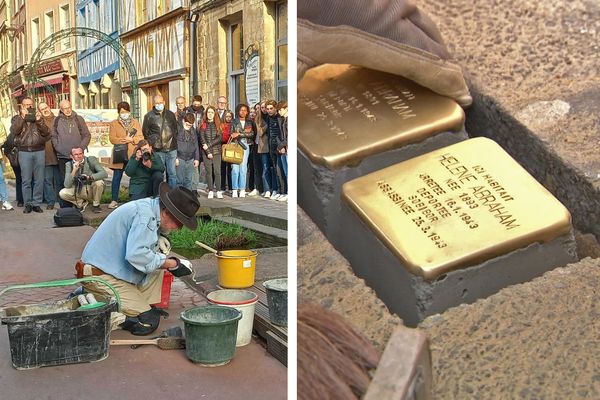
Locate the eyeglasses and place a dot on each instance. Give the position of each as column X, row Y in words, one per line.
column 222, row 102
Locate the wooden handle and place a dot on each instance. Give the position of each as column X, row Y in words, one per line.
column 207, row 247
column 128, row 342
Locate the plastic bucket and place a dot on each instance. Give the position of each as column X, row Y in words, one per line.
column 243, row 301
column 236, row 268
column 277, row 300
column 210, row 334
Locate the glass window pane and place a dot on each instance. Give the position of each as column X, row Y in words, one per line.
column 282, row 13
column 282, row 93
column 282, row 59
column 237, row 47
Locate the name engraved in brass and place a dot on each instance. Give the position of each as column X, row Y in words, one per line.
column 347, row 113
column 456, row 207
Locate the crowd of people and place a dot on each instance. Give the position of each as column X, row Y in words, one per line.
column 182, row 147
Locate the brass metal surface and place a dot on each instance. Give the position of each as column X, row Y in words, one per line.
column 347, row 113
column 456, row 207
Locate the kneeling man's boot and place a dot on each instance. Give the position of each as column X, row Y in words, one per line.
column 142, row 325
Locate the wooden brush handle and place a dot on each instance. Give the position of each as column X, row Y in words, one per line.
column 129, row 342
column 207, row 247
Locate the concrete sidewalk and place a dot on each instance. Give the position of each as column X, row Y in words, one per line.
column 33, row 250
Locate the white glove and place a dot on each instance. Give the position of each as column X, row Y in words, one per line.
column 184, row 267
column 164, row 246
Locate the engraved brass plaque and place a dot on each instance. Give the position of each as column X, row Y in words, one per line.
column 348, row 113
column 456, row 207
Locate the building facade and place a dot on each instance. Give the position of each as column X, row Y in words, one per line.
column 19, row 49
column 241, row 50
column 56, row 72
column 6, row 39
column 156, row 36
column 97, row 62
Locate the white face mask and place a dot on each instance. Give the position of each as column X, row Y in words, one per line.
column 159, row 107
column 125, row 116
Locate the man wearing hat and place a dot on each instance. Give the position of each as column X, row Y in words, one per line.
column 127, row 251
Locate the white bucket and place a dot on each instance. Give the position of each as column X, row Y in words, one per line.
column 242, row 300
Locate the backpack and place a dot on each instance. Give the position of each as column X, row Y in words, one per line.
column 68, row 217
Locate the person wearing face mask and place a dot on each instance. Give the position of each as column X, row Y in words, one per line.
column 124, row 129
column 210, row 139
column 197, row 109
column 188, row 152
column 30, row 132
column 180, row 110
column 160, row 130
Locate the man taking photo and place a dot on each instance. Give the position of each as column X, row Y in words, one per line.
column 84, row 181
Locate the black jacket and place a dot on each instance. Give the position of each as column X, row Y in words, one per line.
column 248, row 132
column 211, row 137
column 283, row 133
column 187, row 144
column 29, row 136
column 164, row 139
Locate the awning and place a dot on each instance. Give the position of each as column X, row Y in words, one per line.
column 81, row 90
column 106, row 82
column 93, row 88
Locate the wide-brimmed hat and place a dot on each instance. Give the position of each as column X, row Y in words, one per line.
column 181, row 203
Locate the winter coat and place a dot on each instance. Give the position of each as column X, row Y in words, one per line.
column 187, row 144
column 263, row 137
column 51, row 158
column 69, row 133
column 161, row 140
column 91, row 167
column 139, row 175
column 247, row 133
column 117, row 135
column 210, row 136
column 283, row 134
column 29, row 136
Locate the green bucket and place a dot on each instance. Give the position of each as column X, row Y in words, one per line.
column 210, row 334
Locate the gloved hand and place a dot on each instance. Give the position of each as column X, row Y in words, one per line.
column 386, row 35
column 183, row 268
column 164, row 246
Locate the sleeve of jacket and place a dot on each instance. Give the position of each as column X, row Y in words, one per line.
column 54, row 134
column 85, row 133
column 146, row 126
column 132, row 166
column 157, row 163
column 99, row 171
column 16, row 125
column 252, row 134
column 43, row 129
column 68, row 178
column 195, row 140
column 201, row 133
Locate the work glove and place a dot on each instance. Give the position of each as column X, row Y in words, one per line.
column 386, row 35
column 183, row 268
column 164, row 246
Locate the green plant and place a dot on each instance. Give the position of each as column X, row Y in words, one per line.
column 217, row 234
column 106, row 196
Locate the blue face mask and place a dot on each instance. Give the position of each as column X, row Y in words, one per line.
column 159, row 107
column 125, row 116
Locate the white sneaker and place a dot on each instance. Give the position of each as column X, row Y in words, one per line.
column 253, row 193
column 211, row 194
column 234, row 193
column 219, row 195
column 283, row 197
column 275, row 196
column 7, row 206
column 267, row 194
column 242, row 193
column 113, row 205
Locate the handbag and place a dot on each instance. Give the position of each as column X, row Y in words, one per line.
column 232, row 152
column 119, row 154
column 13, row 157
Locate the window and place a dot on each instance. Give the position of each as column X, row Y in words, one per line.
column 48, row 24
column 65, row 23
column 237, row 91
column 281, row 56
column 35, row 34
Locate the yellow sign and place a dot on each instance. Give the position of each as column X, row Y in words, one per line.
column 348, row 113
column 456, row 207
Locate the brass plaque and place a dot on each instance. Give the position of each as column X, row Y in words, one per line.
column 456, row 207
column 348, row 113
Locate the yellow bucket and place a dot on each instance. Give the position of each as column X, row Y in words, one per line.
column 236, row 268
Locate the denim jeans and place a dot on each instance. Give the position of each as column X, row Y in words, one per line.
column 115, row 185
column 239, row 172
column 282, row 161
column 3, row 188
column 32, row 167
column 51, row 184
column 269, row 177
column 168, row 158
column 185, row 173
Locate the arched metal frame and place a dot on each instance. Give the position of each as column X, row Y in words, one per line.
column 115, row 44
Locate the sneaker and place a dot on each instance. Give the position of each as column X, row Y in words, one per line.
column 283, row 197
column 275, row 196
column 234, row 193
column 113, row 205
column 253, row 193
column 96, row 209
column 219, row 195
column 7, row 206
column 211, row 194
column 242, row 193
column 267, row 194
column 50, row 207
column 37, row 209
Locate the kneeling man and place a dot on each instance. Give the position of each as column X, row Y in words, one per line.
column 84, row 181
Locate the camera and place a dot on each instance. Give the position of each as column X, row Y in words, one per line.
column 146, row 156
column 80, row 181
column 30, row 116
